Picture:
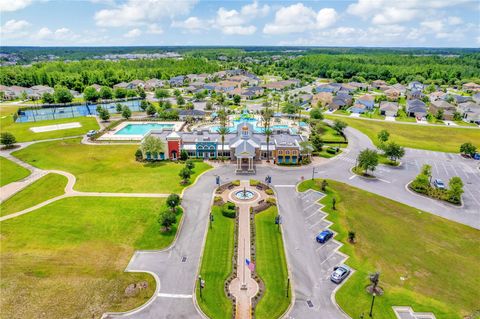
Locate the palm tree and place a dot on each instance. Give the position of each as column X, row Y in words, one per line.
column 267, row 114
column 223, row 130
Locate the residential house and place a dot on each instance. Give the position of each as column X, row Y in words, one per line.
column 447, row 108
column 340, row 101
column 461, row 98
column 471, row 87
column 226, row 86
column 359, row 108
column 400, row 88
column 135, row 84
column 325, row 98
column 415, row 94
column 121, row 85
column 368, row 100
column 416, row 85
column 247, row 93
column 347, row 88
column 327, row 88
column 392, row 94
column 470, row 112
column 17, row 91
column 476, row 97
column 153, row 84
column 359, row 85
column 281, row 85
column 416, row 108
column 388, row 108
column 177, row 81
column 378, row 84
column 437, row 95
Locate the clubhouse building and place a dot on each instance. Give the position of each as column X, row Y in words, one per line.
column 244, row 146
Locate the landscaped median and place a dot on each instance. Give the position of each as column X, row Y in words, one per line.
column 216, row 267
column 425, row 261
column 222, row 272
column 11, row 172
column 271, row 265
column 75, row 251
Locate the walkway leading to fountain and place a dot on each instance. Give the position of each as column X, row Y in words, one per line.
column 244, row 287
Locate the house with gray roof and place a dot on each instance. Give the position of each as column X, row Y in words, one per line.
column 416, row 108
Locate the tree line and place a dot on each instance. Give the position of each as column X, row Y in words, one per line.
column 78, row 75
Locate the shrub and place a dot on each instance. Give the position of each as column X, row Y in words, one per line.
column 254, row 182
column 228, row 210
column 269, row 191
column 332, row 150
column 271, row 201
column 421, row 184
column 236, row 183
column 183, row 155
column 138, row 154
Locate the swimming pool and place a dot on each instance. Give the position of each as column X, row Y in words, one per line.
column 257, row 129
column 142, row 129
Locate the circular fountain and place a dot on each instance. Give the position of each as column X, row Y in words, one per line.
column 244, row 194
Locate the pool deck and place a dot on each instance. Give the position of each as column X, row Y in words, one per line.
column 110, row 135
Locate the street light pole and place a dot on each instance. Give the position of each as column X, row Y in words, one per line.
column 200, row 285
column 288, row 285
column 313, row 173
column 371, row 306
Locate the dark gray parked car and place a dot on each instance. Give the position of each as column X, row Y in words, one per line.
column 340, row 273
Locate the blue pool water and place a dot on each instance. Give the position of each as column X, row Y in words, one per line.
column 142, row 129
column 257, row 129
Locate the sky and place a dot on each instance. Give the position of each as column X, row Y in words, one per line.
column 372, row 23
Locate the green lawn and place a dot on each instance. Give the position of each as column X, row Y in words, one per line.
column 11, row 172
column 67, row 259
column 49, row 186
column 107, row 168
column 433, row 138
column 373, row 115
column 271, row 266
column 217, row 266
column 23, row 133
column 328, row 134
column 425, row 261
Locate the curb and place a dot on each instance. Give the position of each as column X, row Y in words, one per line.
column 436, row 200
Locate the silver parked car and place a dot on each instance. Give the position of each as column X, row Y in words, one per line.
column 340, row 273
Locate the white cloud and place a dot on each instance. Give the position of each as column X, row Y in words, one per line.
column 192, row 24
column 392, row 12
column 139, row 12
column 14, row 5
column 239, row 22
column 454, row 20
column 154, row 29
column 44, row 33
column 13, row 27
column 433, row 25
column 133, row 33
column 299, row 18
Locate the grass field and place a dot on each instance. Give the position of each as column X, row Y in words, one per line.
column 22, row 131
column 425, row 261
column 107, row 168
column 11, row 172
column 49, row 186
column 217, row 266
column 67, row 259
column 271, row 266
column 433, row 138
column 328, row 134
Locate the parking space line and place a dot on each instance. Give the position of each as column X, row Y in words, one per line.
column 174, row 295
column 328, row 258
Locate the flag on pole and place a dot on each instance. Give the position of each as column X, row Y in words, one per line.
column 250, row 265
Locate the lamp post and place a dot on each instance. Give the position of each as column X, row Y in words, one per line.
column 201, row 284
column 313, row 173
column 288, row 285
column 371, row 306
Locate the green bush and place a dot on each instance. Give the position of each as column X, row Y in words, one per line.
column 254, row 182
column 332, row 150
column 269, row 191
column 271, row 201
column 236, row 183
column 228, row 210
